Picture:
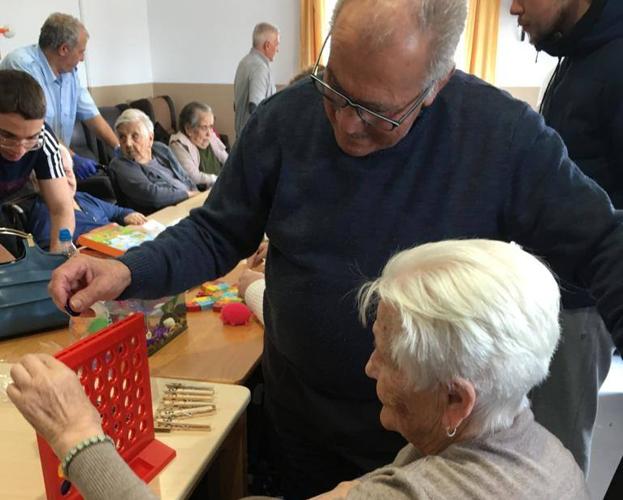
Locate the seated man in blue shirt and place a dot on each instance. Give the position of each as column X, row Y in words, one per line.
column 27, row 145
column 90, row 212
column 53, row 63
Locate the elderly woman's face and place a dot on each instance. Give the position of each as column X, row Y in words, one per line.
column 135, row 141
column 200, row 135
column 414, row 414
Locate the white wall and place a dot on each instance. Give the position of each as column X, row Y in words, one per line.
column 119, row 51
column 26, row 18
column 516, row 60
column 195, row 41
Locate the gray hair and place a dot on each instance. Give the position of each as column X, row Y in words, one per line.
column 444, row 20
column 59, row 29
column 261, row 33
column 132, row 115
column 481, row 310
column 190, row 114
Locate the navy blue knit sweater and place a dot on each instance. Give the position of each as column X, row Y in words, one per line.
column 476, row 164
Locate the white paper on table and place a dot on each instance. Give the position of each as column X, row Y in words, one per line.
column 153, row 227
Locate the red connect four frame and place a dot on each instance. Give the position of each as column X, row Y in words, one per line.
column 112, row 366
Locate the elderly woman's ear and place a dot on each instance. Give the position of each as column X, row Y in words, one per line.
column 460, row 399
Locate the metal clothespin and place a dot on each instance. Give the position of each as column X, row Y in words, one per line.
column 187, row 413
column 187, row 398
column 168, row 426
column 179, row 387
column 180, row 403
column 185, row 392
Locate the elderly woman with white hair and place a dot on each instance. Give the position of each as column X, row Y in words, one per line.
column 148, row 175
column 196, row 146
column 463, row 331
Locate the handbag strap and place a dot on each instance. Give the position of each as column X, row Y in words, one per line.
column 20, row 234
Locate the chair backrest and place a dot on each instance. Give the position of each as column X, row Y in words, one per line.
column 83, row 141
column 616, row 485
column 110, row 114
column 121, row 199
column 164, row 112
column 161, row 111
column 16, row 213
column 100, row 186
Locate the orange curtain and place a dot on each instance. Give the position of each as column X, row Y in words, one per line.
column 312, row 17
column 481, row 38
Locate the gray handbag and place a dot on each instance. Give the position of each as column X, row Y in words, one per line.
column 25, row 305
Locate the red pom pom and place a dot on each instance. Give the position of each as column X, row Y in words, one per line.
column 235, row 314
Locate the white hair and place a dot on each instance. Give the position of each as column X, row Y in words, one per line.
column 443, row 20
column 132, row 115
column 262, row 32
column 481, row 310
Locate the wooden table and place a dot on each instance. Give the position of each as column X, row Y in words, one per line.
column 224, row 448
column 169, row 215
column 208, row 350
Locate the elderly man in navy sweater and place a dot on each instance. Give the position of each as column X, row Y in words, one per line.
column 388, row 148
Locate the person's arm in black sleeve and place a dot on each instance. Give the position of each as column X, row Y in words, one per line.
column 611, row 107
column 558, row 213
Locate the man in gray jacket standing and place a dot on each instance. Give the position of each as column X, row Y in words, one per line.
column 254, row 81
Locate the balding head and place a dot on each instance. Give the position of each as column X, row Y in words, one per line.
column 385, row 23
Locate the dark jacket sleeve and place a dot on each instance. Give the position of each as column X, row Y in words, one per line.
column 612, row 112
column 216, row 236
column 563, row 216
column 165, row 153
column 142, row 190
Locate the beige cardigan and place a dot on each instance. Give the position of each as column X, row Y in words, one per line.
column 188, row 156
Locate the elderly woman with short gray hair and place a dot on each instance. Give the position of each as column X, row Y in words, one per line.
column 148, row 175
column 463, row 330
column 196, row 146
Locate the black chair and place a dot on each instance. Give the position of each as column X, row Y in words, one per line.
column 121, row 199
column 99, row 185
column 83, row 141
column 615, row 490
column 110, row 114
column 161, row 112
column 15, row 215
column 225, row 140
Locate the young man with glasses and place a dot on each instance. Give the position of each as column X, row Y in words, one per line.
column 398, row 149
column 28, row 145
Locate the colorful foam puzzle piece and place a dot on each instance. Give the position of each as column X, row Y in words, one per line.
column 213, row 296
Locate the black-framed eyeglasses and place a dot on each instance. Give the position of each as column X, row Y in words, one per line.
column 369, row 117
column 10, row 143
